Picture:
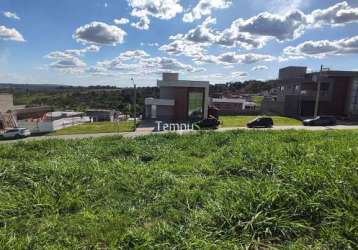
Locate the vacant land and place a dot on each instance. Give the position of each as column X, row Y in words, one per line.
column 97, row 127
column 203, row 191
column 242, row 120
column 258, row 100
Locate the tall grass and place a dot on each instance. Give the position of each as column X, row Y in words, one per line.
column 233, row 190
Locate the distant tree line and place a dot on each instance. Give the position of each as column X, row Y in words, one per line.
column 78, row 98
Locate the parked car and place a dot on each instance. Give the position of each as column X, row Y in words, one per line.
column 260, row 122
column 16, row 133
column 211, row 123
column 321, row 121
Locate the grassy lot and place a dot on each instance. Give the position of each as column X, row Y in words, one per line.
column 258, row 100
column 241, row 121
column 97, row 127
column 233, row 190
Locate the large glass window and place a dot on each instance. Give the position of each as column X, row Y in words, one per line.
column 196, row 105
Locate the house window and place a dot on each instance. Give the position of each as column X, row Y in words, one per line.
column 196, row 105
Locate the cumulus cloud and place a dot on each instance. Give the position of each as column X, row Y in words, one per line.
column 10, row 34
column 68, row 61
column 11, row 15
column 138, row 61
column 183, row 47
column 322, row 48
column 256, row 31
column 338, row 14
column 230, row 58
column 72, row 52
column 286, row 27
column 192, row 43
column 142, row 24
column 161, row 9
column 248, row 33
column 69, row 65
column 121, row 21
column 205, row 8
column 239, row 74
column 165, row 64
column 259, row 67
column 99, row 33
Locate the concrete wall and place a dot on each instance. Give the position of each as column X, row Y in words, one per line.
column 6, row 102
column 50, row 126
column 292, row 72
column 272, row 107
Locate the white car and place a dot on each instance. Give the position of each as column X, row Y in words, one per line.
column 16, row 133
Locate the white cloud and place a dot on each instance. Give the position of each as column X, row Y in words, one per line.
column 283, row 6
column 11, row 15
column 259, row 67
column 229, row 58
column 10, row 34
column 322, row 48
column 338, row 14
column 161, row 9
column 281, row 27
column 256, row 31
column 138, row 61
column 121, row 21
column 164, row 64
column 99, row 33
column 68, row 61
column 105, row 5
column 133, row 54
column 142, row 24
column 183, row 47
column 72, row 52
column 205, row 8
column 239, row 74
column 70, row 64
column 250, row 33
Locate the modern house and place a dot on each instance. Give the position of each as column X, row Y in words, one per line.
column 233, row 106
column 100, row 115
column 179, row 100
column 297, row 91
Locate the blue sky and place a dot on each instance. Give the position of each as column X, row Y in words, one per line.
column 94, row 42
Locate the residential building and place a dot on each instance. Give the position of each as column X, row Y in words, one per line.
column 100, row 115
column 233, row 106
column 297, row 91
column 179, row 100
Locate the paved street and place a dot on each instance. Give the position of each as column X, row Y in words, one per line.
column 144, row 133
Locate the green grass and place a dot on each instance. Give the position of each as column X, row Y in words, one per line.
column 258, row 100
column 233, row 190
column 97, row 127
column 241, row 121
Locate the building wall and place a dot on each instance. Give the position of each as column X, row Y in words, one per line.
column 165, row 113
column 226, row 108
column 292, row 72
column 181, row 104
column 6, row 102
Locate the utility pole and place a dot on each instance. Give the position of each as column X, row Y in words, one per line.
column 318, row 92
column 135, row 104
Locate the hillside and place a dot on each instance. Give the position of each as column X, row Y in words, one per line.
column 204, row 191
column 78, row 98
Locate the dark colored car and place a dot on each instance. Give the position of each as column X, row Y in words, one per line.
column 260, row 122
column 321, row 121
column 211, row 123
